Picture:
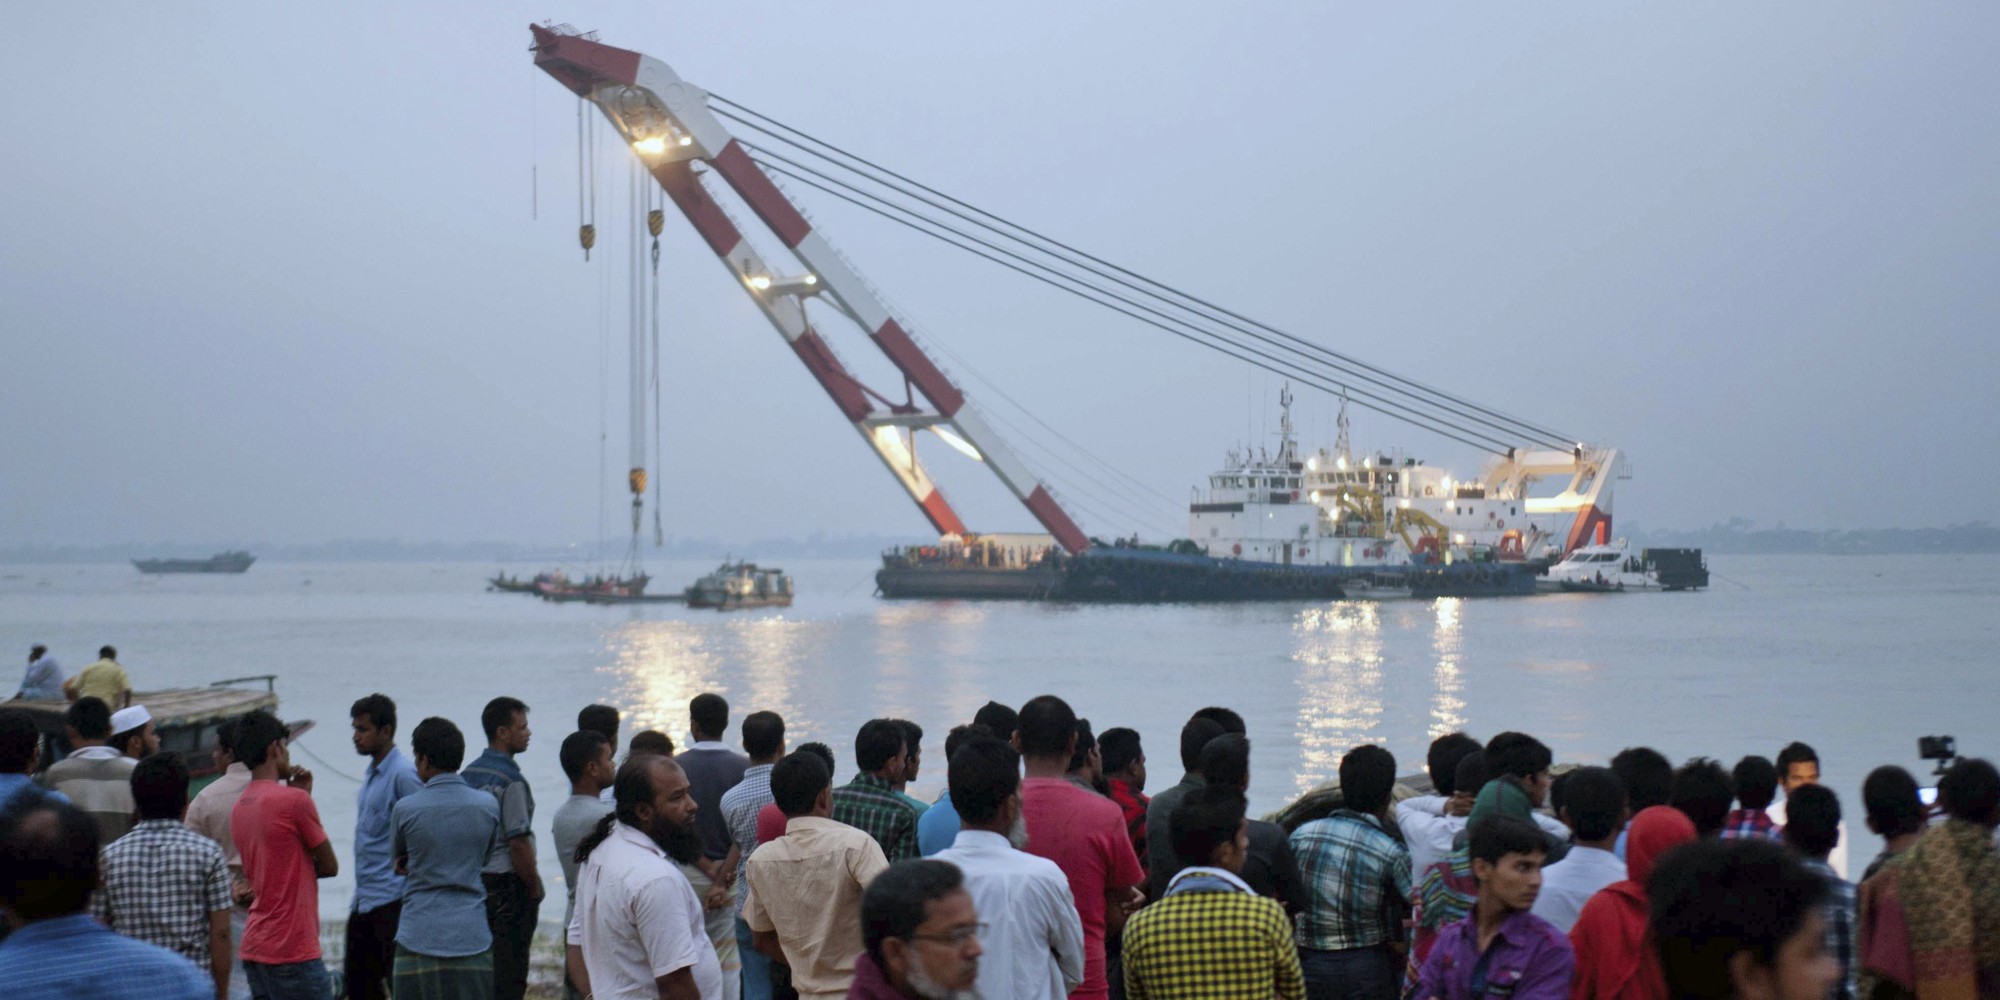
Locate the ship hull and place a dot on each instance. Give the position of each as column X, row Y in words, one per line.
column 967, row 582
column 217, row 564
column 1139, row 575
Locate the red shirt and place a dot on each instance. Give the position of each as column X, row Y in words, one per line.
column 770, row 823
column 1084, row 834
column 276, row 827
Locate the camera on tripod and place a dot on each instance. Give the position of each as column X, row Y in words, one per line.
column 1942, row 749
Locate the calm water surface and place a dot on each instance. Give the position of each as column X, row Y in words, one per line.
column 1856, row 655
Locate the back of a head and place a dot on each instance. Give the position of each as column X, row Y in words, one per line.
column 1001, row 719
column 90, row 717
column 961, row 735
column 440, row 743
column 1046, row 726
column 982, row 775
column 1812, row 820
column 107, row 652
column 1517, row 755
column 599, row 719
column 1756, row 781
column 1647, row 774
column 1226, row 718
column 19, row 739
column 763, row 734
column 1702, row 790
column 1118, row 747
column 797, row 781
column 1971, row 791
column 1442, row 761
column 913, row 735
column 1086, row 741
column 1471, row 775
column 896, row 902
column 1367, row 778
column 579, row 749
column 1890, row 797
column 1594, row 803
column 378, row 708
column 500, row 712
column 36, row 651
column 255, row 733
column 709, row 715
column 160, row 786
column 823, row 752
column 48, row 858
column 1495, row 837
column 1204, row 819
column 1195, row 735
column 649, row 741
column 878, row 742
column 1713, row 899
column 225, row 738
column 1225, row 761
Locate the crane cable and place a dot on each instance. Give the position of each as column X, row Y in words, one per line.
column 655, row 221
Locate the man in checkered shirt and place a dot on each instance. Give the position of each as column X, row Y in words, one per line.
column 164, row 883
column 869, row 802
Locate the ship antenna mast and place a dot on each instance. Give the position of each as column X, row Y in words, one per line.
column 1340, row 439
column 1287, row 448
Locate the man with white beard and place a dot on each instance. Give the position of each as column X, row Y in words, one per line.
column 1033, row 941
column 920, row 933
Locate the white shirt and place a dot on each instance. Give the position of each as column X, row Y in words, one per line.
column 1838, row 859
column 637, row 919
column 1429, row 832
column 1569, row 883
column 1034, row 939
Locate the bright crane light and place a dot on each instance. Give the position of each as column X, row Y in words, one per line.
column 652, row 146
column 760, row 282
column 958, row 444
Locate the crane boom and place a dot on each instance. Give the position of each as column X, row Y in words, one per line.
column 668, row 125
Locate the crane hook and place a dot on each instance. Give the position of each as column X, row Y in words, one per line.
column 586, row 234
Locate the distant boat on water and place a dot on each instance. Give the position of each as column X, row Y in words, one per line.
column 221, row 562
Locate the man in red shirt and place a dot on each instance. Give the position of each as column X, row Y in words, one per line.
column 1081, row 831
column 285, row 853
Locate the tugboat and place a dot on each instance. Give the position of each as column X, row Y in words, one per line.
column 741, row 585
column 1601, row 569
column 222, row 562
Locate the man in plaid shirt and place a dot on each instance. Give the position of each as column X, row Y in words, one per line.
column 1812, row 827
column 1756, row 780
column 1357, row 877
column 869, row 803
column 164, row 883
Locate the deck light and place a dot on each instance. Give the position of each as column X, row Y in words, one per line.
column 652, row 145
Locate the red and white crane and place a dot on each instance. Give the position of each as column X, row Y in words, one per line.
column 668, row 125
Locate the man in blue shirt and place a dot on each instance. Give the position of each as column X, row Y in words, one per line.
column 20, row 751
column 444, row 833
column 938, row 826
column 48, row 867
column 513, row 883
column 44, row 679
column 378, row 890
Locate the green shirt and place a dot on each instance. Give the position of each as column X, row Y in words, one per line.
column 870, row 805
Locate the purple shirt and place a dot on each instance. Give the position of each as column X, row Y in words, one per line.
column 1528, row 960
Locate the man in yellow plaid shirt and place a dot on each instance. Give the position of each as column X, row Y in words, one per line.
column 1211, row 937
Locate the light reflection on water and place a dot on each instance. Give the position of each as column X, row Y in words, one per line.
column 662, row 665
column 1447, row 707
column 1339, row 652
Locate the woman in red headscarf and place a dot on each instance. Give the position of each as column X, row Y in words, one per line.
column 1614, row 952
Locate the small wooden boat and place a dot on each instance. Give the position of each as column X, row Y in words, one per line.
column 185, row 718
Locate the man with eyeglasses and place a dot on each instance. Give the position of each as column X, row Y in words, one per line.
column 921, row 935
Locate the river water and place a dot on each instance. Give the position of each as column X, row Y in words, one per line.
column 1857, row 655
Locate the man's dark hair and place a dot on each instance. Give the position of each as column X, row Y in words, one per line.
column 35, row 651
column 1499, row 835
column 1002, row 719
column 982, row 775
column 824, row 753
column 709, row 712
column 1367, row 778
column 1756, row 781
column 649, row 741
column 381, row 711
column 1795, row 753
column 1226, row 718
column 1226, row 761
column 630, row 789
column 160, row 786
column 1890, row 797
column 255, row 733
column 1471, row 774
column 579, row 749
column 1204, row 819
column 438, row 741
column 124, row 742
column 1195, row 735
column 1517, row 755
column 1702, row 790
column 48, row 858
column 879, row 741
column 1559, row 791
column 225, row 737
column 19, row 739
column 1442, row 761
column 1648, row 777
column 1812, row 820
column 1046, row 726
column 90, row 717
column 896, row 902
column 1086, row 741
column 600, row 719
column 961, row 735
column 1969, row 791
column 1595, row 801
column 796, row 781
column 1710, row 899
column 1118, row 747
column 107, row 652
column 913, row 735
column 500, row 712
column 763, row 734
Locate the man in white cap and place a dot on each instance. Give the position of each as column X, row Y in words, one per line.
column 132, row 732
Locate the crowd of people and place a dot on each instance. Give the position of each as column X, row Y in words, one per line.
column 1045, row 870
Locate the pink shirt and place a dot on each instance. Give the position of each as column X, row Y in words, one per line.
column 770, row 823
column 1084, row 834
column 276, row 827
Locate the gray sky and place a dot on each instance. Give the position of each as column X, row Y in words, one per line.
column 270, row 272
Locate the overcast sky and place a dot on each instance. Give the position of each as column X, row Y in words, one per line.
column 269, row 270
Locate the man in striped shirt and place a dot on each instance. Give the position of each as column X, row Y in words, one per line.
column 1357, row 877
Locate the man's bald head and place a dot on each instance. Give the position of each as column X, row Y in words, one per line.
column 48, row 859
